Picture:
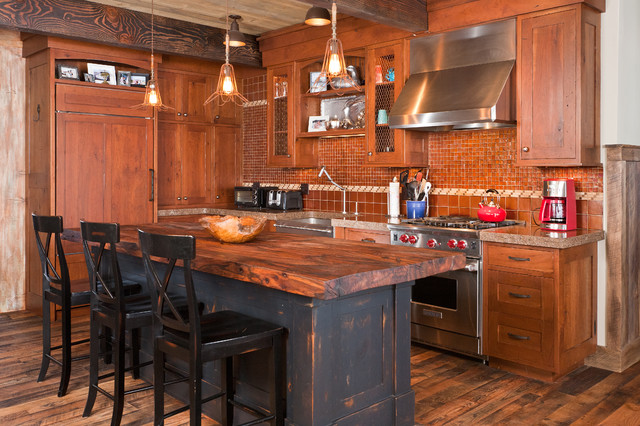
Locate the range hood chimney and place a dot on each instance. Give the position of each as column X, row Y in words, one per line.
column 460, row 80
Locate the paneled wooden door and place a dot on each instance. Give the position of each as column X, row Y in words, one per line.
column 103, row 169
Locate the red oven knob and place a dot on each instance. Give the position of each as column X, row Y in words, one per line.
column 452, row 243
column 432, row 243
column 404, row 238
column 413, row 239
column 462, row 244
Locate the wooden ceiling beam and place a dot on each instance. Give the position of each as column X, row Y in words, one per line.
column 408, row 15
column 93, row 22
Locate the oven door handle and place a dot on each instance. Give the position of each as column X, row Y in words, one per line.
column 472, row 266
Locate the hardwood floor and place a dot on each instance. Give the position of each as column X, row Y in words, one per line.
column 449, row 389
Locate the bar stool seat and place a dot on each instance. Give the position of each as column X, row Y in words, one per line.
column 197, row 338
column 115, row 308
column 57, row 288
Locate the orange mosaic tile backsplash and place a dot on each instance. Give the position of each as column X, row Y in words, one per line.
column 461, row 166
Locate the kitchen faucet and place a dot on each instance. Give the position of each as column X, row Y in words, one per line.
column 341, row 188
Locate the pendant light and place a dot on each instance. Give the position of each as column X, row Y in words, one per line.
column 227, row 89
column 317, row 17
column 236, row 38
column 152, row 96
column 334, row 71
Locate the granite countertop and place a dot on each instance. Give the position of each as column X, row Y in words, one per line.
column 522, row 234
column 531, row 235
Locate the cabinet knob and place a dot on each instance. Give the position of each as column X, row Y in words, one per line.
column 179, row 198
column 185, row 198
column 217, row 197
column 288, row 155
column 369, row 153
column 185, row 114
column 217, row 117
column 525, row 149
column 179, row 114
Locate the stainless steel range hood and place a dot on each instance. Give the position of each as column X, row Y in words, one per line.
column 460, row 80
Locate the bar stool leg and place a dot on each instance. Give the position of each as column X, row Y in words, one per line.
column 94, row 353
column 66, row 348
column 46, row 338
column 119, row 367
column 195, row 388
column 158, row 385
column 226, row 366
column 135, row 352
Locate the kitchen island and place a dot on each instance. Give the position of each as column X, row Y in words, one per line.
column 346, row 308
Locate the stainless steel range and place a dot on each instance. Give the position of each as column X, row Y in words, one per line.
column 446, row 309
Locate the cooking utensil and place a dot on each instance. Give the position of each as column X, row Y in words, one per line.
column 412, row 190
column 490, row 210
column 419, row 176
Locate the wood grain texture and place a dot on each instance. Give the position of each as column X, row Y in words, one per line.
column 83, row 20
column 319, row 267
column 12, row 172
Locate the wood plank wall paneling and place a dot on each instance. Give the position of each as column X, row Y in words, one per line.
column 12, row 172
column 622, row 204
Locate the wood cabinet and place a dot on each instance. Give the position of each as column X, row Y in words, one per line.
column 227, row 164
column 363, row 235
column 90, row 154
column 184, row 164
column 559, row 87
column 539, row 309
column 185, row 94
column 385, row 77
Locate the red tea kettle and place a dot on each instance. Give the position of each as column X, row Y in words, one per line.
column 490, row 210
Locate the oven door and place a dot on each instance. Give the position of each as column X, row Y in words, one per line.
column 449, row 301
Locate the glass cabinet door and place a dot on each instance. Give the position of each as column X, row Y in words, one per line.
column 280, row 116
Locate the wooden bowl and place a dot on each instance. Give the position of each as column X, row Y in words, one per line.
column 233, row 229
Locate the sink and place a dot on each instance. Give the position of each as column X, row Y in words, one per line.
column 317, row 226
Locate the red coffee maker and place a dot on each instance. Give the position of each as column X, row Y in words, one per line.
column 558, row 209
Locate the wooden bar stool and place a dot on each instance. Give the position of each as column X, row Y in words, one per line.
column 114, row 306
column 59, row 289
column 197, row 338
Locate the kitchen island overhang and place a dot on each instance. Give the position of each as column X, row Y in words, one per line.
column 346, row 307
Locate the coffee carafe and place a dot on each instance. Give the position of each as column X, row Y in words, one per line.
column 558, row 209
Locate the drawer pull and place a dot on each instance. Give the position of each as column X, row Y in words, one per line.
column 520, row 296
column 517, row 336
column 520, row 259
column 368, row 240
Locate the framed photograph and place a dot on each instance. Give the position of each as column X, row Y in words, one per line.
column 318, row 123
column 105, row 74
column 124, row 78
column 89, row 77
column 68, row 72
column 316, row 85
column 139, row 80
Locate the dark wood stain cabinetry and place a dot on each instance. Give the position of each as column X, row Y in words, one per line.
column 559, row 87
column 540, row 304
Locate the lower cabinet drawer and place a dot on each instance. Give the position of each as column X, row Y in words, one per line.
column 382, row 237
column 519, row 294
column 518, row 339
column 511, row 256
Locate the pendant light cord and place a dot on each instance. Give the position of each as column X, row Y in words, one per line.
column 152, row 24
column 226, row 37
column 334, row 12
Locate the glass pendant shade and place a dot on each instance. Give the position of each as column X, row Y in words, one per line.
column 317, row 17
column 334, row 70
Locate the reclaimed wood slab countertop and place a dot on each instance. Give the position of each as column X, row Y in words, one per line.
column 318, row 267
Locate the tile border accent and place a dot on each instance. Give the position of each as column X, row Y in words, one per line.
column 505, row 193
column 261, row 102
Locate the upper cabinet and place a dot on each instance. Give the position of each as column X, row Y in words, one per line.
column 385, row 79
column 185, row 93
column 280, row 116
column 559, row 87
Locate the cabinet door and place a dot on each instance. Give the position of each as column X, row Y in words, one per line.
column 384, row 145
column 227, row 163
column 558, row 72
column 170, row 88
column 196, row 88
column 195, row 163
column 280, row 116
column 168, row 173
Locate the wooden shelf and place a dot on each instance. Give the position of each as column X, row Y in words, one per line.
column 334, row 93
column 101, row 85
column 333, row 133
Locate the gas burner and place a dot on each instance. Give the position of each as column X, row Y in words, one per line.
column 459, row 222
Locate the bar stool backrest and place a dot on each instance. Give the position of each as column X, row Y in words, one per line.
column 55, row 280
column 106, row 280
column 166, row 295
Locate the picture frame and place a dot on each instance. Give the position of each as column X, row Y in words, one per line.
column 104, row 74
column 322, row 84
column 68, row 72
column 89, row 78
column 124, row 78
column 318, row 123
column 138, row 79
